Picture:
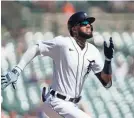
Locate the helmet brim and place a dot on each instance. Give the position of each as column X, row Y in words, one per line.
column 90, row 19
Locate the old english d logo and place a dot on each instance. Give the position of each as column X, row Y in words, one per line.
column 91, row 63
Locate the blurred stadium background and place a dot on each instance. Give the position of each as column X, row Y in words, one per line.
column 23, row 23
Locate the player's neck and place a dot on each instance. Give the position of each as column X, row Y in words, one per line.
column 81, row 42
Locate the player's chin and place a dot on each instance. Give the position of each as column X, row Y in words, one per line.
column 88, row 35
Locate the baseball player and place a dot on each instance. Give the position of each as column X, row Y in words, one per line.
column 73, row 59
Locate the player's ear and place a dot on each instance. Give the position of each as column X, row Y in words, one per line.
column 74, row 29
column 91, row 27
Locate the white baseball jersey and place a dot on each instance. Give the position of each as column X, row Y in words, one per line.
column 71, row 64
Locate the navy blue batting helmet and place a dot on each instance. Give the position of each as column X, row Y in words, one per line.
column 77, row 18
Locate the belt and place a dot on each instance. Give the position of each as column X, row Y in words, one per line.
column 74, row 100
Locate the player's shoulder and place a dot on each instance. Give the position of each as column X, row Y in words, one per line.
column 62, row 40
column 92, row 47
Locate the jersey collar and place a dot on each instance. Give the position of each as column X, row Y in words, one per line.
column 77, row 46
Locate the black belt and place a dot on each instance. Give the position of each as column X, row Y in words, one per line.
column 74, row 100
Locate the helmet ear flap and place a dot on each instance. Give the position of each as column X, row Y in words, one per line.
column 91, row 27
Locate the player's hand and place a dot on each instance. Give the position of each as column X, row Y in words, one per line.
column 108, row 51
column 9, row 78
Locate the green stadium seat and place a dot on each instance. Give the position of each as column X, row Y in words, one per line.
column 117, row 40
column 98, row 39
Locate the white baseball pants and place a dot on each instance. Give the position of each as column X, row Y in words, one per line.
column 57, row 108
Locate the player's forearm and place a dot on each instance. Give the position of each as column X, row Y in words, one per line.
column 106, row 77
column 28, row 56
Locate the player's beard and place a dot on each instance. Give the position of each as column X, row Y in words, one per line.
column 85, row 35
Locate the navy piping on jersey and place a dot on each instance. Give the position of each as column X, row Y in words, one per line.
column 77, row 69
column 83, row 64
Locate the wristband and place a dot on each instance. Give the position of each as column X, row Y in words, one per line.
column 16, row 70
column 107, row 67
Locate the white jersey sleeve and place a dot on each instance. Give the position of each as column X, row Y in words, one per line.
column 98, row 66
column 48, row 47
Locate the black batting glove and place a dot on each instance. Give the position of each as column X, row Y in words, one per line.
column 108, row 51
